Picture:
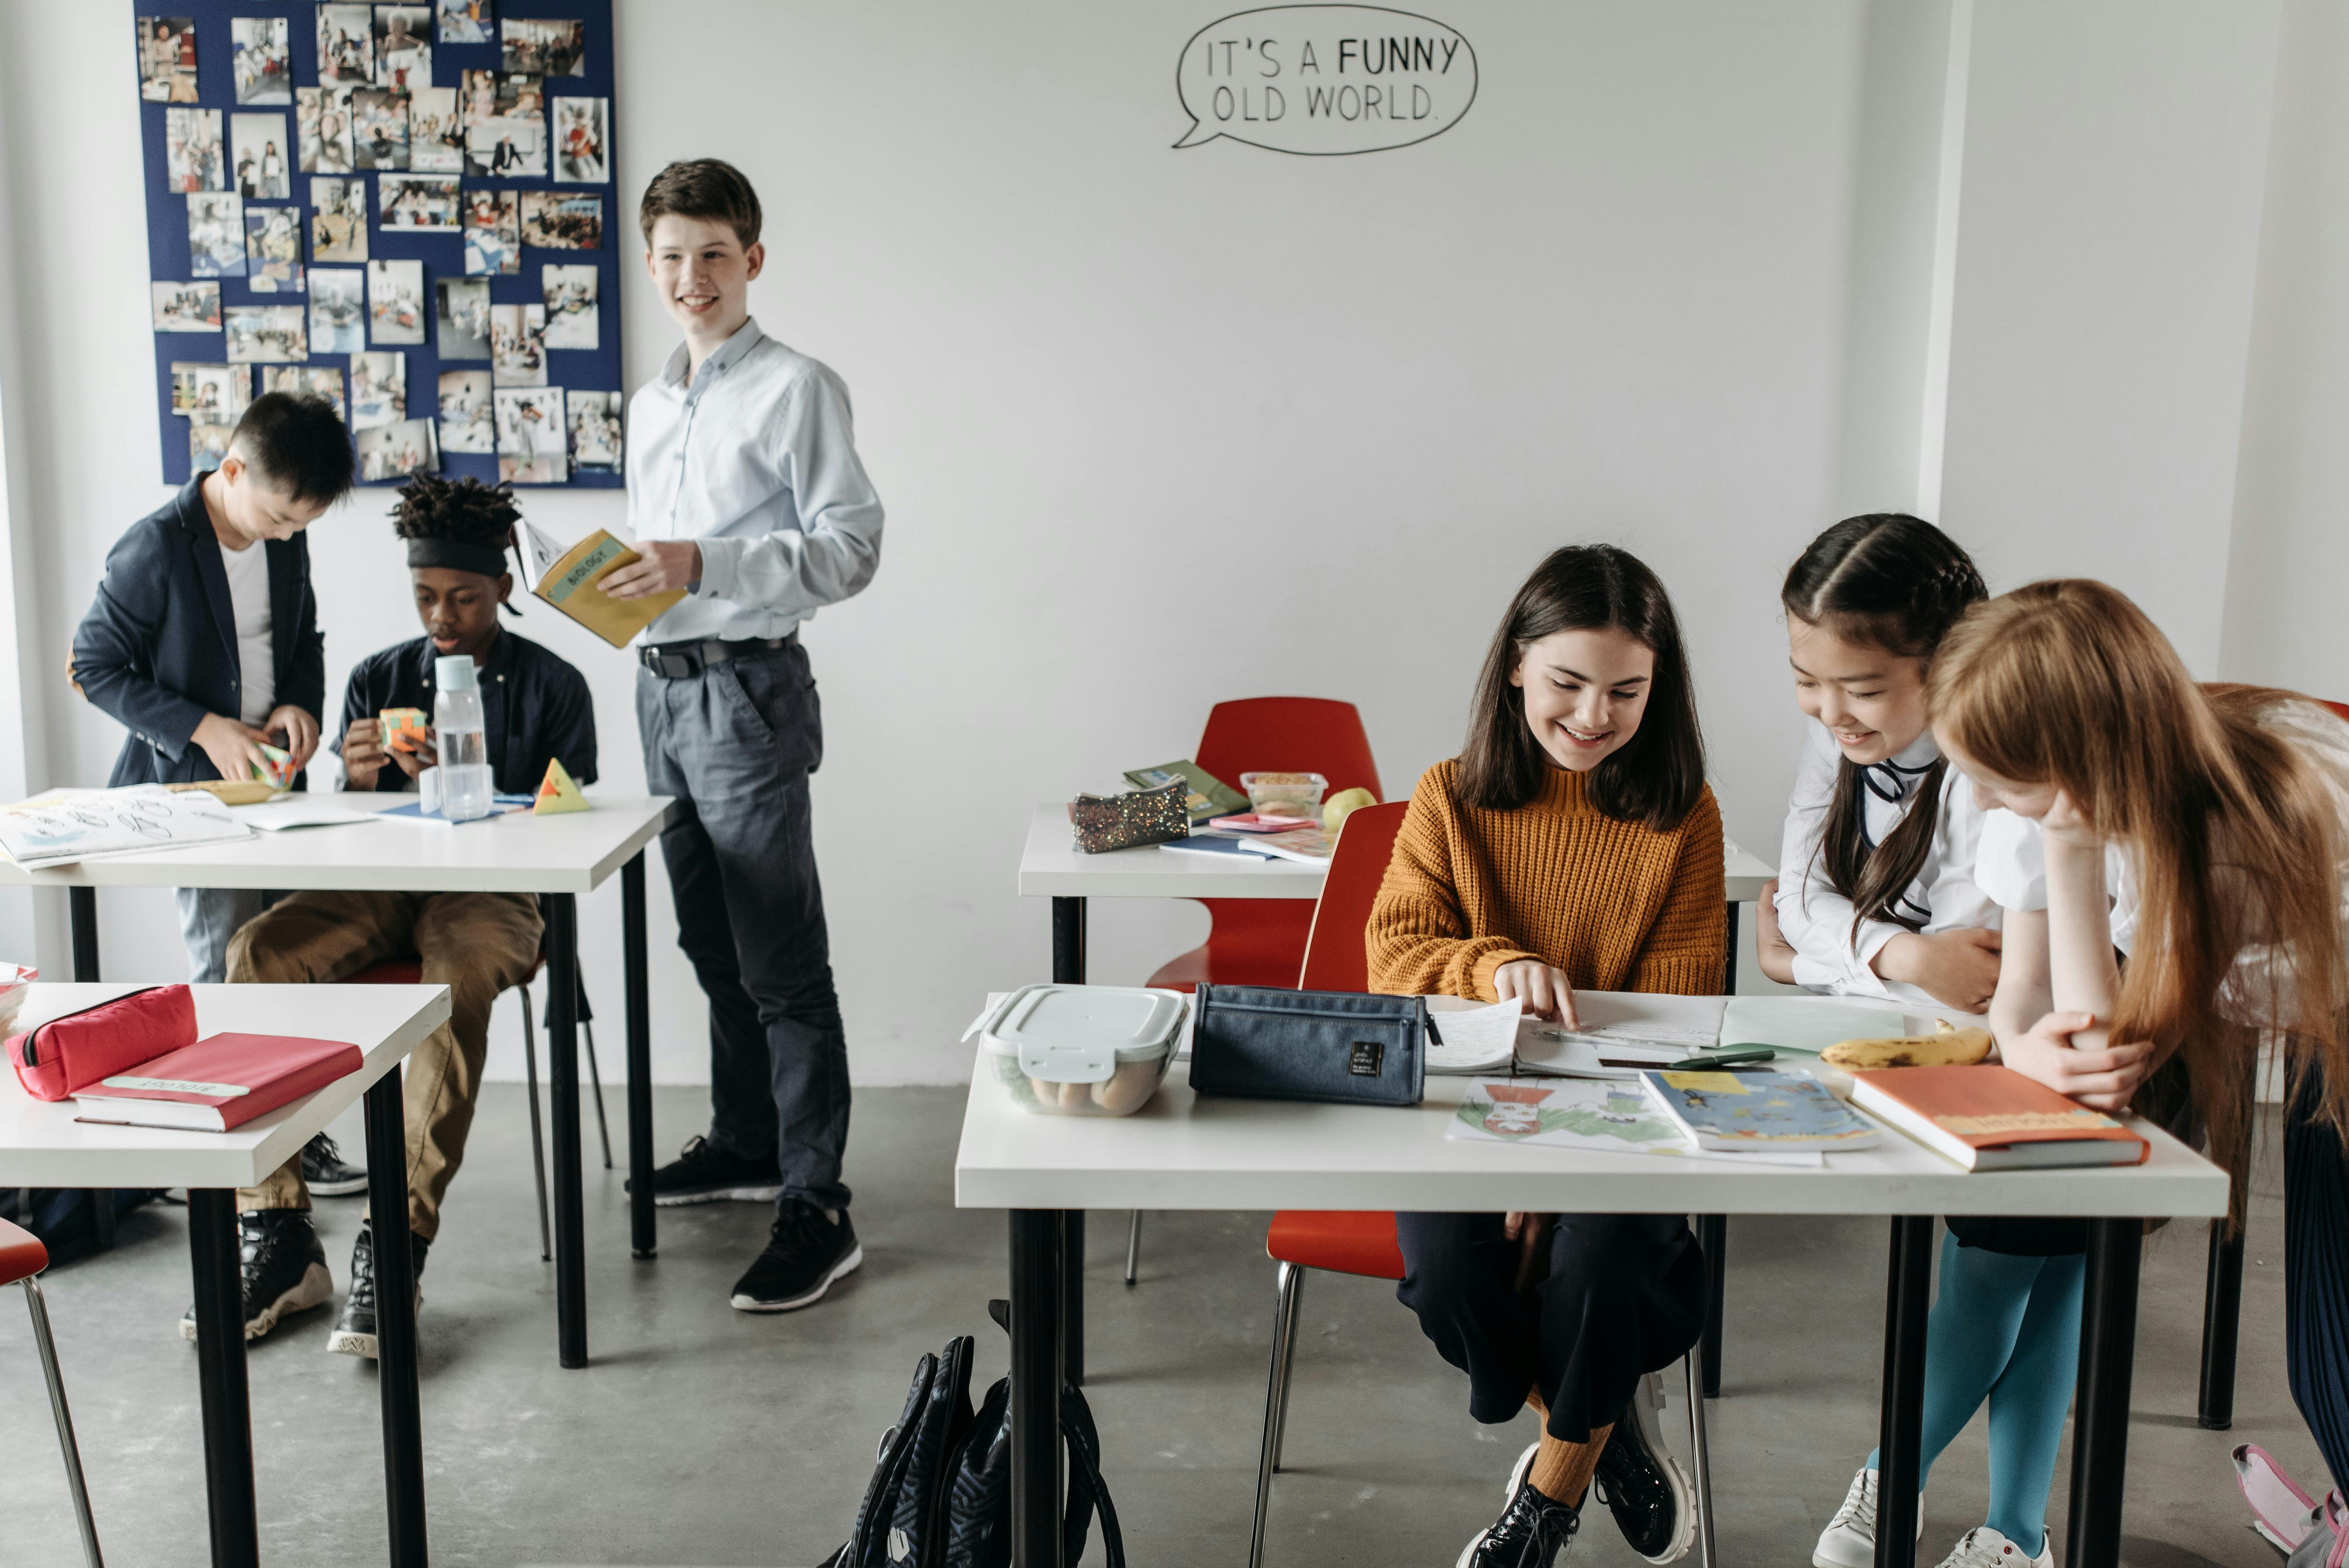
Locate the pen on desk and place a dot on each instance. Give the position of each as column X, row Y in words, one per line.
column 1725, row 1059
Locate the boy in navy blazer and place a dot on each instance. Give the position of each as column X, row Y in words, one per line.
column 204, row 639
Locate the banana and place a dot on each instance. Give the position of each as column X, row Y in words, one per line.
column 1950, row 1048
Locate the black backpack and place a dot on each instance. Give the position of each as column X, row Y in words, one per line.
column 941, row 1490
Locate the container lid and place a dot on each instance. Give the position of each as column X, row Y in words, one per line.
column 1078, row 1034
column 456, row 673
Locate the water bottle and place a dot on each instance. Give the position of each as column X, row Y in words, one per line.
column 464, row 750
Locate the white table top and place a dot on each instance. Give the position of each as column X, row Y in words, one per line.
column 1052, row 865
column 41, row 1144
column 572, row 852
column 1181, row 1151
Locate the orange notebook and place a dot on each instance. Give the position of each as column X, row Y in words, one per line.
column 1994, row 1119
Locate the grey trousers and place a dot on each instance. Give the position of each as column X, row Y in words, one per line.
column 209, row 916
column 735, row 746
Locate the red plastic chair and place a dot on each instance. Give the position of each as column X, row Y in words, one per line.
column 22, row 1257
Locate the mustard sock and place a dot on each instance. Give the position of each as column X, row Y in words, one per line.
column 1561, row 1470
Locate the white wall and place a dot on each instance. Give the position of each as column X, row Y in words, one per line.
column 1668, row 283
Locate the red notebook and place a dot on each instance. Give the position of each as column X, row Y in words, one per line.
column 221, row 1081
column 1994, row 1119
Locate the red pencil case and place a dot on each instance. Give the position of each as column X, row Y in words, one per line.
column 65, row 1054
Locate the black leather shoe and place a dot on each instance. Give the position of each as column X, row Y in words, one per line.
column 1644, row 1487
column 283, row 1266
column 703, row 1174
column 806, row 1252
column 1530, row 1533
column 354, row 1331
column 323, row 1172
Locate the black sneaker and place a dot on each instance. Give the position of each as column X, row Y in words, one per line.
column 1530, row 1533
column 323, row 1172
column 1642, row 1485
column 354, row 1331
column 806, row 1252
column 701, row 1174
column 283, row 1268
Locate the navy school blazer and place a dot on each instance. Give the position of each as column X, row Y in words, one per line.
column 158, row 649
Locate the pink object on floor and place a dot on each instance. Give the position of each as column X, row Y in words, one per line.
column 2281, row 1510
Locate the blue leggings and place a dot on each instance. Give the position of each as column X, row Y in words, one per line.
column 2006, row 1329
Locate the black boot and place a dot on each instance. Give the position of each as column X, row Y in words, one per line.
column 283, row 1266
column 354, row 1331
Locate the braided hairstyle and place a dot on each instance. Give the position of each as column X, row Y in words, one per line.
column 1888, row 581
column 471, row 524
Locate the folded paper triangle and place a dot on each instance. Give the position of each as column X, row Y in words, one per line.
column 557, row 793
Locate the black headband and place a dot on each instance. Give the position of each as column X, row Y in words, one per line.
column 458, row 554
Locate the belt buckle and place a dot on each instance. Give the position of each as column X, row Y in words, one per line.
column 675, row 666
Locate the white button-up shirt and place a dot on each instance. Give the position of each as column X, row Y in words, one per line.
column 755, row 461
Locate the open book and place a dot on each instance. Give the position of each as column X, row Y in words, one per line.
column 566, row 578
column 1622, row 1033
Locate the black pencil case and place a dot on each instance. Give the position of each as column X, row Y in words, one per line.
column 1349, row 1048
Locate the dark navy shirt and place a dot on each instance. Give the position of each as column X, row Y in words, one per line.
column 535, row 707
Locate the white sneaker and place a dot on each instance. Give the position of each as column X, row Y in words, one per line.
column 1849, row 1539
column 1986, row 1548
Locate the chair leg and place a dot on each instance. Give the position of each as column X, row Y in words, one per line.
column 1276, row 1401
column 595, row 1079
column 537, row 1140
column 40, row 1311
column 1699, row 1459
column 1288, row 1364
column 1133, row 1245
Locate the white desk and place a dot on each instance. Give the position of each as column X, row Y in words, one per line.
column 1182, row 1151
column 41, row 1145
column 557, row 857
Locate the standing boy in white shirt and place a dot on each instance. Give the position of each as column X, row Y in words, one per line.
column 744, row 488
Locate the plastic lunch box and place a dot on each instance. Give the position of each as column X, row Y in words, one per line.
column 1082, row 1050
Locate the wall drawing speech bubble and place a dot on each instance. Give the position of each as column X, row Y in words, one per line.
column 1324, row 80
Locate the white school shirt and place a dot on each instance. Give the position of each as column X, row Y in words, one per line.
column 755, row 461
column 1816, row 920
column 248, row 597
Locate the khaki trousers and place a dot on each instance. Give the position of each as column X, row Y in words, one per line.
column 476, row 943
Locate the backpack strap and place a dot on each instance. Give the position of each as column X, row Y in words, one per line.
column 1087, row 1489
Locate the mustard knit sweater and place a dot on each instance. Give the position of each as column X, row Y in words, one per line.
column 1616, row 905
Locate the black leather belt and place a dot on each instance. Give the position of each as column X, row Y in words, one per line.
column 678, row 661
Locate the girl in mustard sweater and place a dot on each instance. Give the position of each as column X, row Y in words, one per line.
column 1572, row 844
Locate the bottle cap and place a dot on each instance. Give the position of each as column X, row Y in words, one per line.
column 456, row 673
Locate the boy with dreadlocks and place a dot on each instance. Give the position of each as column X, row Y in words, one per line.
column 535, row 707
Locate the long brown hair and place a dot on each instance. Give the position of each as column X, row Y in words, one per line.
column 1888, row 580
column 2069, row 683
column 1655, row 777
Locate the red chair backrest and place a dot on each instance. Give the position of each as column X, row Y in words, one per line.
column 1334, row 959
column 2340, row 708
column 21, row 1254
column 1290, row 735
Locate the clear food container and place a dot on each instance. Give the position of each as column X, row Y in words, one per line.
column 1286, row 794
column 1082, row 1050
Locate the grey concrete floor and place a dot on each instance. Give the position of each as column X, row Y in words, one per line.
column 703, row 1435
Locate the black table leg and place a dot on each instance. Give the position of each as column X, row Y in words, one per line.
column 1729, row 959
column 2100, row 1422
column 644, row 1239
column 2222, row 1308
column 1036, row 1262
column 1900, row 1438
column 563, row 1070
column 219, row 1374
column 81, row 905
column 1712, row 1236
column 395, row 1307
column 1068, row 942
column 1069, row 969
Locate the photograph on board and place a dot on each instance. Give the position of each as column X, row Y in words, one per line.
column 337, row 310
column 380, row 127
column 322, row 130
column 419, row 203
column 378, row 389
column 193, row 156
column 396, row 450
column 395, row 302
column 467, row 423
column 259, row 333
column 338, row 221
column 403, row 47
column 324, row 381
column 598, row 424
column 582, row 142
column 492, row 233
column 210, row 391
column 570, row 294
column 530, row 435
column 436, row 140
column 263, row 66
column 502, row 95
column 461, row 320
column 273, row 250
column 506, row 148
column 465, row 21
column 264, row 163
column 167, row 59
column 216, row 235
column 518, row 344
column 208, row 442
column 187, row 308
column 555, row 221
column 345, row 44
column 542, row 46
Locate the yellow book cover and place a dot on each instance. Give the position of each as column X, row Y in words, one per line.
column 568, row 582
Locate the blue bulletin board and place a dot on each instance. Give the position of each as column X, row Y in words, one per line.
column 384, row 236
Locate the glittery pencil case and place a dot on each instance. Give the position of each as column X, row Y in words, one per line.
column 1105, row 823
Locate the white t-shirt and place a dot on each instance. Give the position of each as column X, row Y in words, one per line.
column 2011, row 868
column 1816, row 920
column 248, row 596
